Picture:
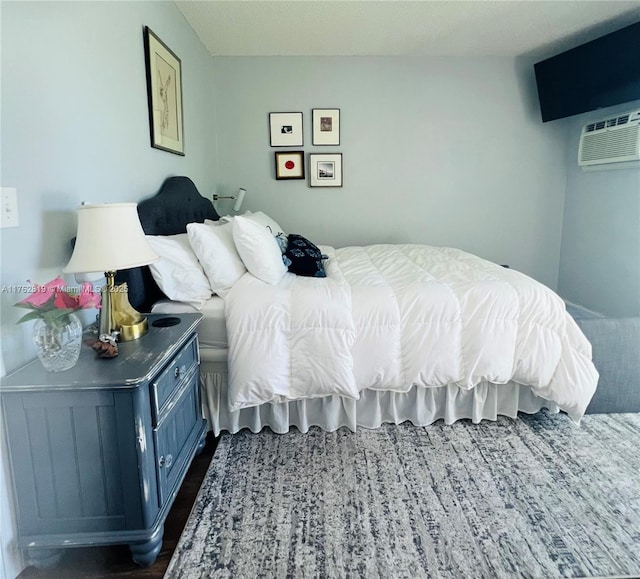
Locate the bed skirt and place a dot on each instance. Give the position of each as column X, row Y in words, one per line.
column 421, row 406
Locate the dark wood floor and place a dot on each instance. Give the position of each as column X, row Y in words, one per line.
column 98, row 562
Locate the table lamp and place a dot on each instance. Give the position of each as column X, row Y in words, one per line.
column 109, row 238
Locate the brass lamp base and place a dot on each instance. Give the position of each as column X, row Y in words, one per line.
column 130, row 323
column 134, row 331
column 118, row 315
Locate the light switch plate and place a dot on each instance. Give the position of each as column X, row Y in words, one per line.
column 9, row 207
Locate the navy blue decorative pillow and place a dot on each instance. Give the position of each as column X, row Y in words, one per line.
column 303, row 258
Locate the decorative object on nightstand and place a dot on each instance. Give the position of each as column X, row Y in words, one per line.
column 57, row 332
column 58, row 347
column 238, row 197
column 98, row 453
column 110, row 237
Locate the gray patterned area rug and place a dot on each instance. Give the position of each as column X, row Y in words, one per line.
column 533, row 497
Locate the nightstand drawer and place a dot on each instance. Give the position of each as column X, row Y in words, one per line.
column 172, row 376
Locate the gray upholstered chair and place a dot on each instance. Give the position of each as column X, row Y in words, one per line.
column 616, row 355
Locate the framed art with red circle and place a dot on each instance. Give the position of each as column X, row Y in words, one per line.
column 289, row 165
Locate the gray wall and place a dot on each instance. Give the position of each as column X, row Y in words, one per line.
column 444, row 151
column 75, row 128
column 600, row 256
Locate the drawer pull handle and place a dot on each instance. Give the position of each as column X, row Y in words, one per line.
column 179, row 371
column 165, row 461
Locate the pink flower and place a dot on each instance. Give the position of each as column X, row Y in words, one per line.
column 64, row 301
column 43, row 293
column 54, row 301
column 88, row 298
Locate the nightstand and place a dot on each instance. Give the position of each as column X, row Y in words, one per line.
column 98, row 452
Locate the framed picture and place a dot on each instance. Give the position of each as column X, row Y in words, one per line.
column 326, row 126
column 290, row 165
column 325, row 170
column 164, row 93
column 285, row 129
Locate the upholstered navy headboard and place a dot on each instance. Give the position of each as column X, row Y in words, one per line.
column 166, row 213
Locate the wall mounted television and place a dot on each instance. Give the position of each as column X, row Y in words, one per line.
column 595, row 75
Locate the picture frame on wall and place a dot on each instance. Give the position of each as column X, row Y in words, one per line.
column 285, row 129
column 326, row 126
column 325, row 170
column 289, row 165
column 164, row 94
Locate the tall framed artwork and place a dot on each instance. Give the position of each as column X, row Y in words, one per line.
column 164, row 94
column 326, row 126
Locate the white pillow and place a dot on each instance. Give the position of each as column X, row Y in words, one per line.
column 258, row 249
column 224, row 218
column 213, row 245
column 178, row 273
column 266, row 221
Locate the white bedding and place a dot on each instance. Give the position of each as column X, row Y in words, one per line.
column 212, row 330
column 388, row 317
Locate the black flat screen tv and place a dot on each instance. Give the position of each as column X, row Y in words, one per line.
column 595, row 75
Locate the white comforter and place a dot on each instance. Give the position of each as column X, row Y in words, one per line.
column 388, row 317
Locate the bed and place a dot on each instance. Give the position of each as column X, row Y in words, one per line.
column 353, row 350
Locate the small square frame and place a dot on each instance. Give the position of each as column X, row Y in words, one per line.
column 164, row 94
column 285, row 129
column 289, row 165
column 326, row 126
column 325, row 170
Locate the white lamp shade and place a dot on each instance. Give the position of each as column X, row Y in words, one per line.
column 110, row 238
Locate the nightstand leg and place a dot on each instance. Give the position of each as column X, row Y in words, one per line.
column 144, row 554
column 202, row 443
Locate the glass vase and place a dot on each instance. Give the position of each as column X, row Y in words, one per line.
column 58, row 347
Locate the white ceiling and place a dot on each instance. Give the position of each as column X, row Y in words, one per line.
column 398, row 27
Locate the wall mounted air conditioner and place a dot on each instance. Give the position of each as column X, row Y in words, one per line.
column 612, row 143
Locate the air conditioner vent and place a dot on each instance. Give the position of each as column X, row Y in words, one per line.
column 614, row 122
column 611, row 143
